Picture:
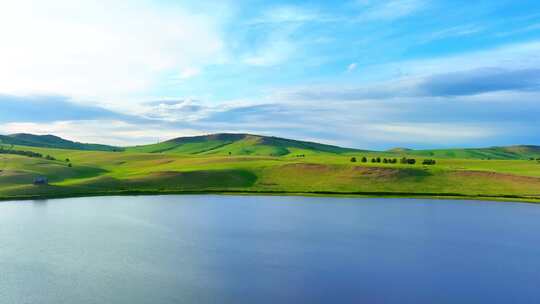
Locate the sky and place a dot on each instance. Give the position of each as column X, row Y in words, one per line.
column 368, row 74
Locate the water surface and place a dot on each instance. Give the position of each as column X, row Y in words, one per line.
column 231, row 249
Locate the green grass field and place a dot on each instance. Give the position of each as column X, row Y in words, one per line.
column 263, row 165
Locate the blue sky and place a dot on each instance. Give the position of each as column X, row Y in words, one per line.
column 360, row 73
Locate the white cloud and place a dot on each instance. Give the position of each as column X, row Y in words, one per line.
column 278, row 35
column 186, row 110
column 286, row 14
column 441, row 133
column 351, row 67
column 389, row 9
column 189, row 72
column 100, row 49
column 513, row 56
column 276, row 50
column 457, row 31
column 110, row 132
column 404, row 78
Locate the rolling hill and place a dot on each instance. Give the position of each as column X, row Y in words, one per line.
column 238, row 144
column 51, row 141
column 258, row 145
column 509, row 152
column 232, row 163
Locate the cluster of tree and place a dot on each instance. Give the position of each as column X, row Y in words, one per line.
column 537, row 159
column 384, row 160
column 303, row 155
column 409, row 161
column 20, row 152
column 429, row 162
column 48, row 157
column 376, row 160
column 404, row 160
column 30, row 154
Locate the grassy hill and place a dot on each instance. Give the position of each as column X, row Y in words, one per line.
column 509, row 152
column 238, row 144
column 51, row 141
column 257, row 145
column 258, row 164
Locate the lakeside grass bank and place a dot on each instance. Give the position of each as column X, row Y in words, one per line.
column 101, row 173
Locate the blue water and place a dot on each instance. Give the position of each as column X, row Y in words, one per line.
column 229, row 249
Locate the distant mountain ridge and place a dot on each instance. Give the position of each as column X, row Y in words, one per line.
column 52, row 141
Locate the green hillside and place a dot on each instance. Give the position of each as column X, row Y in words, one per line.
column 257, row 145
column 510, row 152
column 226, row 163
column 113, row 173
column 238, row 144
column 51, row 141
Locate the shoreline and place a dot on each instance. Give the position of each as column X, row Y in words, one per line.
column 441, row 196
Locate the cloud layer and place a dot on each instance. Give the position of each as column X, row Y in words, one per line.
column 100, row 49
column 366, row 73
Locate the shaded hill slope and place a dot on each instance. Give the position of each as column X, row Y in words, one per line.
column 51, row 141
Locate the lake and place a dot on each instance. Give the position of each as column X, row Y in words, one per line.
column 257, row 249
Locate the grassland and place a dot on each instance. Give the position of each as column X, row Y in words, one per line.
column 252, row 165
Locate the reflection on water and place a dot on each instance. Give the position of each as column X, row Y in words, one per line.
column 228, row 249
column 39, row 202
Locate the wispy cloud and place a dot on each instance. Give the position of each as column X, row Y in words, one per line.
column 89, row 52
column 51, row 108
column 529, row 28
column 294, row 70
column 389, row 10
column 351, row 67
column 274, row 51
column 426, row 133
column 289, row 14
column 452, row 32
column 481, row 81
column 113, row 132
column 510, row 68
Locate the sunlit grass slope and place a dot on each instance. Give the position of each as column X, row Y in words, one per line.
column 510, row 152
column 257, row 165
column 237, row 144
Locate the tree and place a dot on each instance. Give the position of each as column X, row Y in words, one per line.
column 353, row 159
column 70, row 165
column 385, row 161
column 404, row 160
column 378, row 159
column 429, row 162
column 364, row 159
column 373, row 160
column 49, row 157
column 411, row 161
column 67, row 160
column 20, row 152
